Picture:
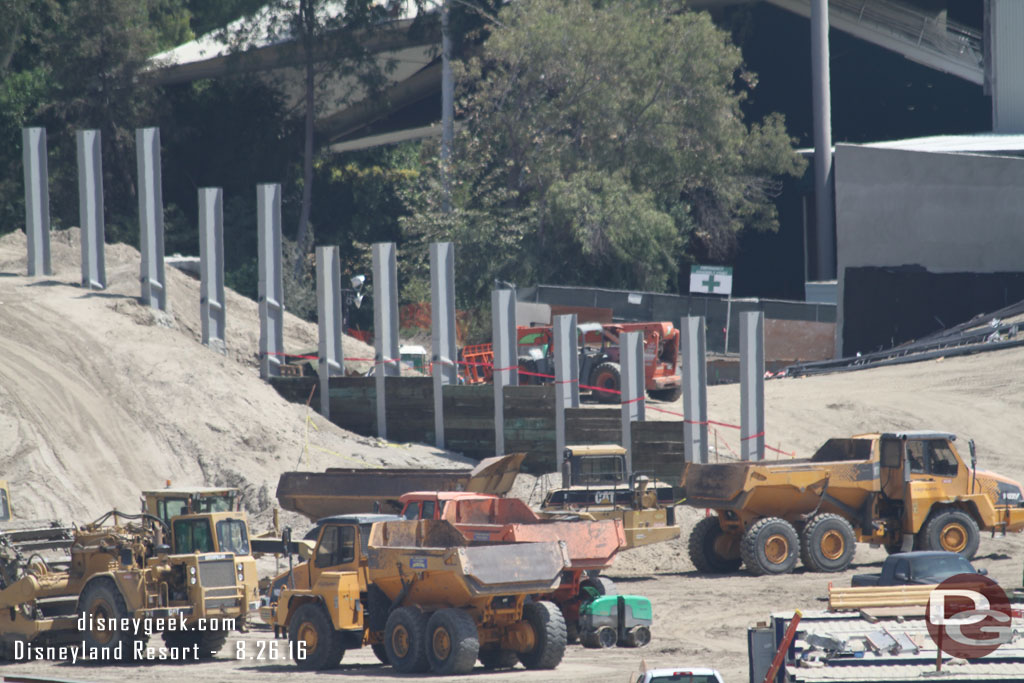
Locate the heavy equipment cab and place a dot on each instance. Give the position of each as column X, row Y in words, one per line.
column 173, row 502
column 210, row 533
column 596, row 484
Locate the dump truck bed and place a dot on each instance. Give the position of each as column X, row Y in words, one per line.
column 741, row 485
column 344, row 491
column 590, row 544
column 428, row 563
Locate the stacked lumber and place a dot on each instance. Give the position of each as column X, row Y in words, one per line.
column 847, row 598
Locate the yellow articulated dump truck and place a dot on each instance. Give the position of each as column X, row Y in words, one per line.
column 424, row 598
column 129, row 576
column 905, row 491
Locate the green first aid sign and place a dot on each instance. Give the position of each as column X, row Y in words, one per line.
column 711, row 280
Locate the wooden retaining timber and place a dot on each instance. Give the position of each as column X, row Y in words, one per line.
column 469, row 420
column 848, row 598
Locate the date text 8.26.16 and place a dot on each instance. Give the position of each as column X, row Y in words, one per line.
column 270, row 650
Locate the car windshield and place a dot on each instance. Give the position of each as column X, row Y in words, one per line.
column 940, row 567
column 684, row 677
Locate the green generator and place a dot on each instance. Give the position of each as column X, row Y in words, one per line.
column 623, row 620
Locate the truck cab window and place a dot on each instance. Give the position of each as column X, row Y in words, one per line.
column 916, row 455
column 337, row 546
column 193, row 536
column 428, row 510
column 412, row 510
column 941, row 459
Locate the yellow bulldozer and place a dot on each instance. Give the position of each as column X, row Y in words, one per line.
column 600, row 487
column 904, row 491
column 192, row 578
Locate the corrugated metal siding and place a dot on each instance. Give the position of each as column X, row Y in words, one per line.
column 1008, row 66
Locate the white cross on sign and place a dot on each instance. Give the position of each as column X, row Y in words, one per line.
column 711, row 280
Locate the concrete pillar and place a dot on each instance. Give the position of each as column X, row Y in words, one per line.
column 631, row 360
column 328, row 306
column 271, row 290
column 693, row 354
column 567, row 380
column 822, row 98
column 1004, row 26
column 151, row 218
column 211, row 267
column 37, row 200
column 442, row 328
column 385, row 326
column 506, row 368
column 90, row 209
column 752, row 385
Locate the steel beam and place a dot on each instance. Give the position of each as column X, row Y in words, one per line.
column 567, row 382
column 752, row 385
column 90, row 209
column 695, row 389
column 385, row 326
column 37, row 200
column 151, row 218
column 271, row 290
column 328, row 307
column 211, row 267
column 442, row 328
column 506, row 369
column 631, row 359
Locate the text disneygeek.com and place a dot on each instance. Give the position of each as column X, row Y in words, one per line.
column 138, row 647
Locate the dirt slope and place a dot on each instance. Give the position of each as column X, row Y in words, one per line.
column 101, row 397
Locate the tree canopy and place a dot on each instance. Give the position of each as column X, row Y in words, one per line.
column 603, row 143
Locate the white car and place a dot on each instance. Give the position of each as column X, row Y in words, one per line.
column 680, row 674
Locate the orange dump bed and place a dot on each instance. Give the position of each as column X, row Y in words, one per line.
column 590, row 545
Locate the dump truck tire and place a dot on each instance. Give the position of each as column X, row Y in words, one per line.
column 607, row 376
column 405, row 639
column 951, row 530
column 312, row 625
column 770, row 546
column 549, row 635
column 711, row 550
column 380, row 652
column 452, row 642
column 494, row 659
column 212, row 642
column 668, row 395
column 102, row 600
column 827, row 543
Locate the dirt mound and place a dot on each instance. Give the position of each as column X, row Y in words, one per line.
column 101, row 397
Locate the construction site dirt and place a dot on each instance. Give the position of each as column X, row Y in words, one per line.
column 699, row 620
column 93, row 384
